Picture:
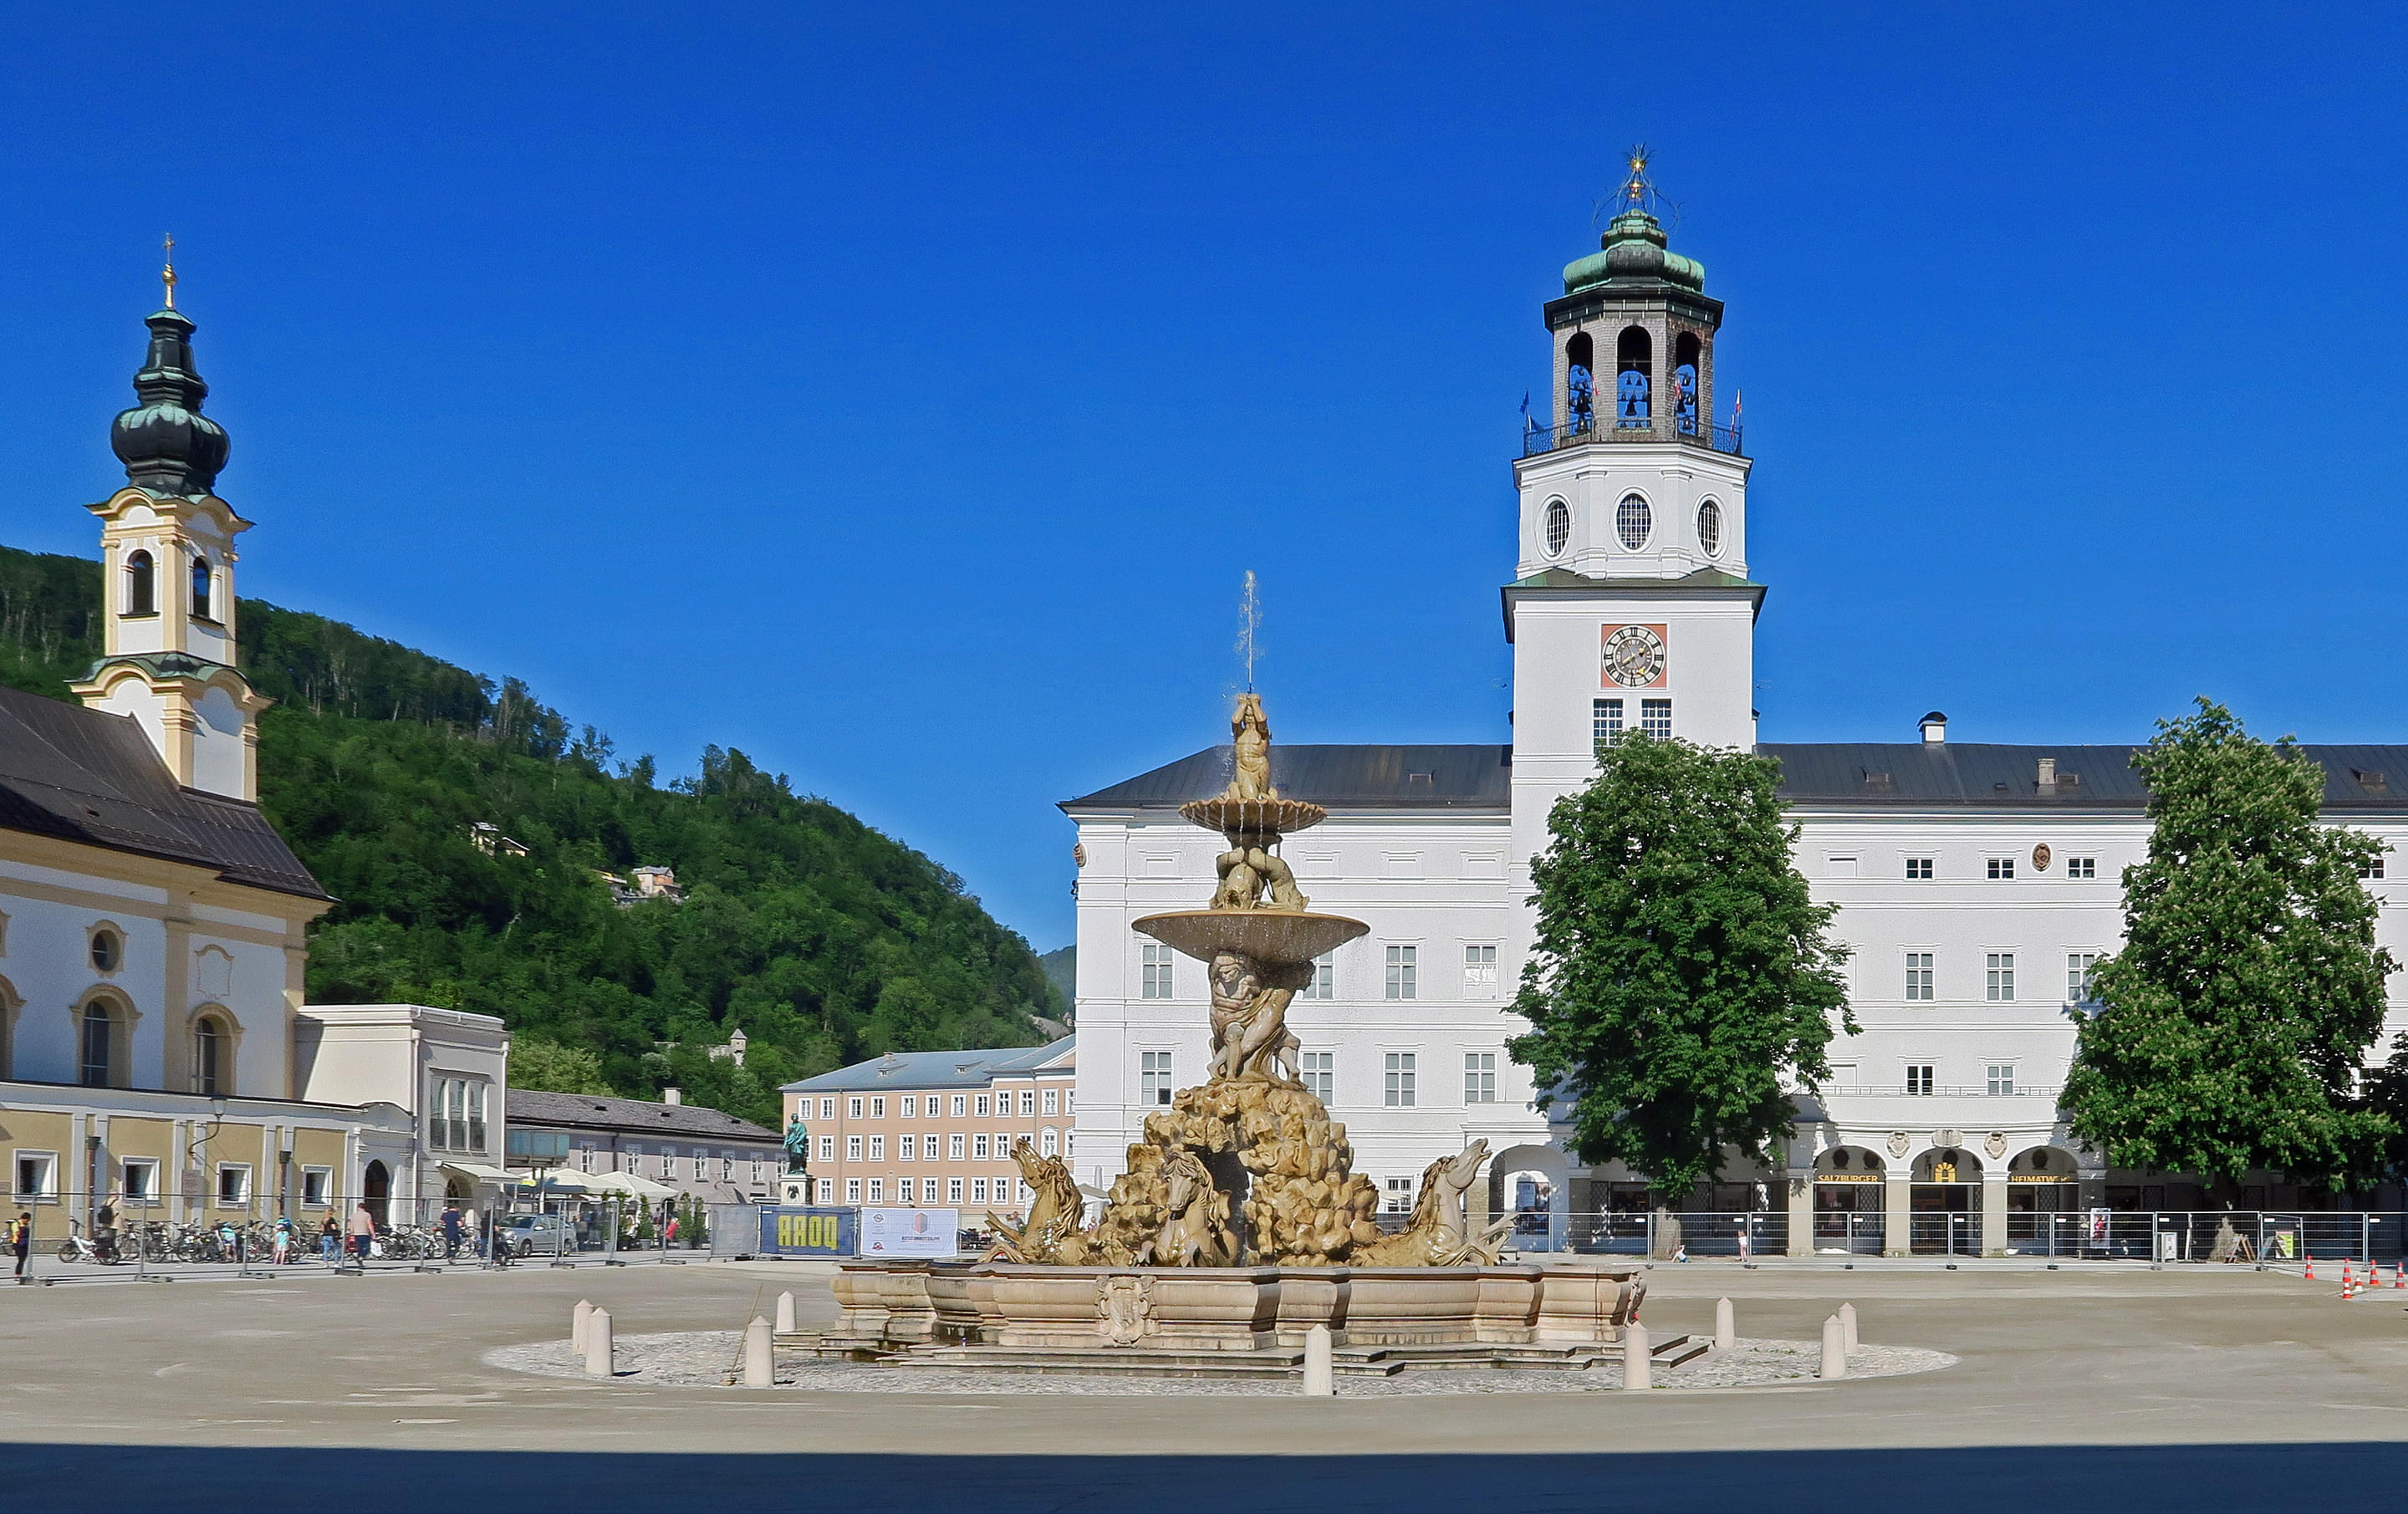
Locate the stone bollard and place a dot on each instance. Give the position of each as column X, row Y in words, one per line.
column 1637, row 1367
column 1848, row 1326
column 785, row 1314
column 599, row 1361
column 760, row 1370
column 1726, row 1327
column 577, row 1320
column 1319, row 1379
column 1835, row 1350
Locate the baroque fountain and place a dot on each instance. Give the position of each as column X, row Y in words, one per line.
column 1239, row 1223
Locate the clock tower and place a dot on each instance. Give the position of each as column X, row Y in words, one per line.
column 1631, row 608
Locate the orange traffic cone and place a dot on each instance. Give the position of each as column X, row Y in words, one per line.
column 2312, row 1268
column 2400, row 1274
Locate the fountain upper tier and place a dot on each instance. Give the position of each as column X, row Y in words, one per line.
column 1275, row 937
column 1267, row 818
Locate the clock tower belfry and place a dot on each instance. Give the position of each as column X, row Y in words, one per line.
column 1631, row 608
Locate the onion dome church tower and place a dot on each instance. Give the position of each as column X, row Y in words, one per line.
column 168, row 558
column 1630, row 608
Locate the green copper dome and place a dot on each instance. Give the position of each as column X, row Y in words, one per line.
column 1633, row 248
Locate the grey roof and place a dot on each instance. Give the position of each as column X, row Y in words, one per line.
column 82, row 774
column 594, row 1111
column 931, row 1069
column 1920, row 774
column 1340, row 777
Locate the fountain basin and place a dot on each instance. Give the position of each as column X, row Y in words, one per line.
column 1265, row 818
column 1278, row 938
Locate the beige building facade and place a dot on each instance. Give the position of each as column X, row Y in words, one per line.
column 935, row 1129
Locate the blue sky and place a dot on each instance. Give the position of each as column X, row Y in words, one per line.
column 899, row 394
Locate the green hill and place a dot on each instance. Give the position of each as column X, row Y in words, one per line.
column 824, row 939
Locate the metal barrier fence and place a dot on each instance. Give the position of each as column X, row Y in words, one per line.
column 75, row 1233
column 2118, row 1235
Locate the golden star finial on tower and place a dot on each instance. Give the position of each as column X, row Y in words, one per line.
column 167, row 273
column 1636, row 190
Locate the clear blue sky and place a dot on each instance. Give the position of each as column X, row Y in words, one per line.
column 899, row 395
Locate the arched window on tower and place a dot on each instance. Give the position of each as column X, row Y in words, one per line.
column 1685, row 353
column 141, row 585
column 1580, row 385
column 213, row 1058
column 201, row 610
column 1634, row 355
column 96, row 1049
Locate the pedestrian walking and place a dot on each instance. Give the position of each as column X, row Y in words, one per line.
column 20, row 1241
column 362, row 1232
column 330, row 1238
column 451, row 1229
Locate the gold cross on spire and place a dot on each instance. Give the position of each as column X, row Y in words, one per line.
column 1635, row 190
column 167, row 273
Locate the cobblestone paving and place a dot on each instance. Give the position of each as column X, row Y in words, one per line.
column 708, row 1359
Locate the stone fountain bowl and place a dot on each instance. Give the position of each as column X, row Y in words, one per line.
column 1280, row 937
column 1254, row 817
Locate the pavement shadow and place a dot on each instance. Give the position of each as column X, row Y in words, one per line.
column 2330, row 1477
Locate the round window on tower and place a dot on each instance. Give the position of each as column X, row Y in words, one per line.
column 1710, row 528
column 1559, row 526
column 1632, row 520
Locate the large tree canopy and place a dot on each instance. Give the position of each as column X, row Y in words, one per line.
column 2231, row 1027
column 1682, row 977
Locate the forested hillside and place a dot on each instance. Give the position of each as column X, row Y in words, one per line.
column 824, row 940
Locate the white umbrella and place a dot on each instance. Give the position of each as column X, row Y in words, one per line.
column 627, row 1185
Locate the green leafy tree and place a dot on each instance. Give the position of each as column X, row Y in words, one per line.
column 539, row 1064
column 1682, row 977
column 2231, row 1027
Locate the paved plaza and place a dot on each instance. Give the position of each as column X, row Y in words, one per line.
column 2075, row 1389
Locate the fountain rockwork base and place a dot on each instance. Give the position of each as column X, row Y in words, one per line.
column 1240, row 1222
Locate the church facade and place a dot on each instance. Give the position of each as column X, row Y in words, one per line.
column 156, row 1051
column 1977, row 883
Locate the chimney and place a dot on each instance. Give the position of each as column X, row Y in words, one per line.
column 2048, row 772
column 1935, row 727
column 673, row 1096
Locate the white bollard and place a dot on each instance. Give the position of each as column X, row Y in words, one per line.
column 599, row 1361
column 1835, row 1350
column 577, row 1318
column 1848, row 1326
column 1637, row 1367
column 785, row 1314
column 1726, row 1327
column 759, row 1367
column 1319, row 1378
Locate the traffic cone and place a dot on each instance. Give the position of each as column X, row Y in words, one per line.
column 2312, row 1268
column 2400, row 1274
column 2348, row 1284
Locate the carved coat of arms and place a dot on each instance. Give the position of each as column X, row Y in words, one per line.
column 1124, row 1307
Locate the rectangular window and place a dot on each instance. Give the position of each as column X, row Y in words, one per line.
column 1605, row 722
column 1656, row 718
column 852, row 1190
column 700, row 1158
column 953, row 1191
column 234, row 1185
column 2081, row 867
column 853, row 1107
column 140, row 1180
column 907, row 1148
column 910, row 1106
column 2000, row 985
column 982, row 1105
column 2078, row 969
column 827, row 1109
column 2372, row 869
column 878, row 1190
column 1400, row 1079
column 960, row 1103
column 978, row 1147
column 1069, row 1101
column 38, row 1174
column 953, row 1145
column 317, row 1187
column 1479, row 1077
column 1320, row 1073
column 853, row 1148
column 1480, row 972
column 1918, row 868
column 1052, row 1100
column 1404, row 970
column 906, row 1191
column 1322, row 983
column 1153, row 1077
column 978, row 1191
column 2002, row 1079
column 477, row 1116
column 1918, row 1078
column 878, row 1108
column 827, row 1149
column 827, row 1190
column 878, row 1149
column 928, row 1146
column 1153, row 971
column 1027, row 1104
column 1398, row 1197
column 2002, row 867
column 1918, row 975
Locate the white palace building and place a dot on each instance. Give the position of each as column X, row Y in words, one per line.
column 1976, row 883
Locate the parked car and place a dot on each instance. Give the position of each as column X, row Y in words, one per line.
column 536, row 1234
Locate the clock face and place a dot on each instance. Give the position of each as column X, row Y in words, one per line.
column 1634, row 655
